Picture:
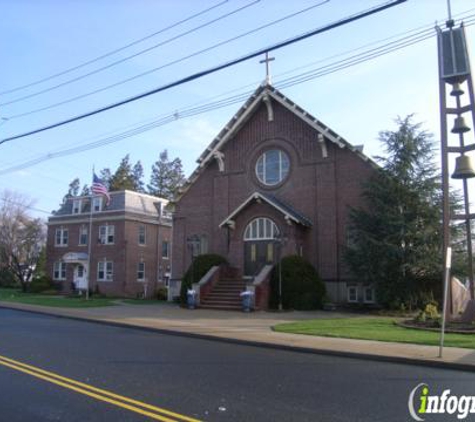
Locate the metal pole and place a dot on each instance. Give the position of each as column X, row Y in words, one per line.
column 89, row 249
column 280, row 275
column 443, row 152
column 448, row 260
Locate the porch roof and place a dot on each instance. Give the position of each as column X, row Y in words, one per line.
column 289, row 213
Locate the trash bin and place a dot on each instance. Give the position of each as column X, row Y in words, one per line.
column 246, row 297
column 191, row 299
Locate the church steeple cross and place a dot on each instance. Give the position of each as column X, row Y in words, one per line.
column 266, row 61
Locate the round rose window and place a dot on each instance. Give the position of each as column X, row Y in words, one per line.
column 272, row 167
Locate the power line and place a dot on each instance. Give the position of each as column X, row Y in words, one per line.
column 367, row 55
column 196, row 53
column 93, row 72
column 103, row 56
column 24, row 205
column 201, row 74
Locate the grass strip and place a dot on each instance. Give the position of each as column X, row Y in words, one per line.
column 379, row 329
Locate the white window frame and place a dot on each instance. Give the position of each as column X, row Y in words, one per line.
column 261, row 228
column 261, row 167
column 77, row 206
column 61, row 237
column 141, row 271
column 97, row 203
column 107, row 270
column 59, row 271
column 142, row 235
column 365, row 290
column 107, row 234
column 348, row 290
column 167, row 249
column 83, row 230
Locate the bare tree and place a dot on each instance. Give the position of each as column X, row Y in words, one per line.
column 21, row 237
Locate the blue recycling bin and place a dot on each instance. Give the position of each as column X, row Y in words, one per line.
column 191, row 299
column 246, row 297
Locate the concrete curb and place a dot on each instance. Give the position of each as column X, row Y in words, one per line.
column 261, row 344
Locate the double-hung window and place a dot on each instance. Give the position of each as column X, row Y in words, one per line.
column 59, row 270
column 141, row 271
column 83, row 234
column 106, row 235
column 352, row 294
column 142, row 235
column 105, row 270
column 165, row 249
column 61, row 237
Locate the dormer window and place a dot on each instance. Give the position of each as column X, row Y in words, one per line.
column 97, row 204
column 77, row 206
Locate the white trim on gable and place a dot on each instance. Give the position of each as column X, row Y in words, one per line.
column 256, row 196
column 265, row 93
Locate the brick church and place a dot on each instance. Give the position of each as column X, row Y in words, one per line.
column 274, row 182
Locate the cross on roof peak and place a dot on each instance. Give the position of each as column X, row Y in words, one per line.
column 266, row 61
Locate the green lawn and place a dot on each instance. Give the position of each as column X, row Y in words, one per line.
column 381, row 329
column 14, row 295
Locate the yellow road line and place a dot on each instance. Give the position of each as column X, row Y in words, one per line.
column 95, row 392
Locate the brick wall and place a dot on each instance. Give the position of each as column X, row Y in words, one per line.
column 322, row 189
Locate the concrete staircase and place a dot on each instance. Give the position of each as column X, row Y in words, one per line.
column 225, row 295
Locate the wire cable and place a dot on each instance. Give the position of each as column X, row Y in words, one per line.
column 196, row 53
column 239, row 98
column 103, row 56
column 217, row 68
column 93, row 72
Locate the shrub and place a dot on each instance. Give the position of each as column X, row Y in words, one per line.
column 200, row 267
column 431, row 311
column 7, row 279
column 40, row 284
column 302, row 287
column 162, row 293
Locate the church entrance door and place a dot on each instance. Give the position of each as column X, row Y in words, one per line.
column 259, row 245
column 256, row 255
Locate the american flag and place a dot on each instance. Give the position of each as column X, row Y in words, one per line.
column 98, row 188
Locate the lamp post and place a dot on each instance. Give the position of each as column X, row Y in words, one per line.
column 193, row 243
column 280, row 241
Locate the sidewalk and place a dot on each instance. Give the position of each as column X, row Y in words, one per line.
column 255, row 328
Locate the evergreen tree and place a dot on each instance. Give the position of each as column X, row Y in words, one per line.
column 137, row 173
column 105, row 175
column 167, row 176
column 123, row 178
column 396, row 238
column 85, row 191
column 73, row 189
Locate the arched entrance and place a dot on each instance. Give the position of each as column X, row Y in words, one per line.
column 259, row 244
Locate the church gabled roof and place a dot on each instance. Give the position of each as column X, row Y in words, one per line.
column 288, row 212
column 265, row 93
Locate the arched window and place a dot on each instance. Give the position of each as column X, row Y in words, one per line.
column 261, row 229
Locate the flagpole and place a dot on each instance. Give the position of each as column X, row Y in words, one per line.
column 89, row 245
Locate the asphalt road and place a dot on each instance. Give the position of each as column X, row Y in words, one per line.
column 194, row 378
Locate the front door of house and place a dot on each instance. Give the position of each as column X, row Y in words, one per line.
column 259, row 245
column 80, row 280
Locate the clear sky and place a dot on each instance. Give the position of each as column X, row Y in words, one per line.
column 42, row 38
